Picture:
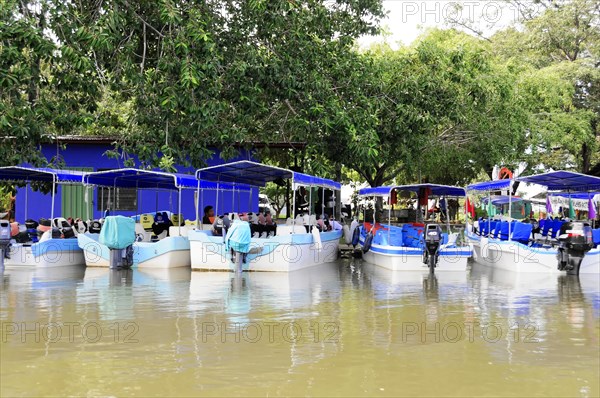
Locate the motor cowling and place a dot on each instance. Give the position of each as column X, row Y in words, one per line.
column 575, row 240
column 433, row 238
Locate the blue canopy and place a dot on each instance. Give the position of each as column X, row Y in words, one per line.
column 45, row 174
column 149, row 179
column 490, row 185
column 436, row 190
column 579, row 195
column 502, row 199
column 564, row 181
column 258, row 174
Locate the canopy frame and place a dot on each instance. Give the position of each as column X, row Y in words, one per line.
column 257, row 175
column 45, row 174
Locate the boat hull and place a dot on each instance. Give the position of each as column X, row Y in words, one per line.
column 170, row 252
column 400, row 258
column 50, row 253
column 516, row 257
column 283, row 253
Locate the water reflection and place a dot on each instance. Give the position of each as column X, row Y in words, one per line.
column 348, row 328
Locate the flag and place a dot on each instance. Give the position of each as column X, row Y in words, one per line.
column 470, row 208
column 548, row 205
column 571, row 209
column 491, row 210
column 591, row 209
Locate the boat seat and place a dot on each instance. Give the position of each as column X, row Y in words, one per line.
column 556, row 224
column 290, row 229
column 175, row 231
column 140, row 231
column 596, row 237
column 146, row 221
column 547, row 226
column 522, row 232
column 176, row 219
column 452, row 239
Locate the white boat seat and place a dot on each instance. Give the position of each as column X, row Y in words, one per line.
column 290, row 229
column 175, row 231
column 452, row 239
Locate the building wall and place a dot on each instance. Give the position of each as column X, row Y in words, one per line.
column 35, row 205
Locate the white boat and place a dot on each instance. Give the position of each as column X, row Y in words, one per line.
column 515, row 248
column 290, row 249
column 169, row 250
column 285, row 253
column 405, row 247
column 47, row 251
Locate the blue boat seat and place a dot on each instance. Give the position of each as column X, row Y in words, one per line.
column 483, row 227
column 393, row 237
column 542, row 223
column 504, row 230
column 411, row 235
column 596, row 236
column 492, row 228
column 522, row 232
column 547, row 226
column 497, row 229
column 556, row 228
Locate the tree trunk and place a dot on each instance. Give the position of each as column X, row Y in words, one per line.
column 338, row 194
column 585, row 158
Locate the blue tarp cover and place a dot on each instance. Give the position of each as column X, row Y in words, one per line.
column 117, row 232
column 238, row 237
column 564, row 181
column 436, row 190
column 28, row 174
column 149, row 179
column 490, row 185
column 257, row 174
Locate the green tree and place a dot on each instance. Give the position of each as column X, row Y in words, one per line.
column 47, row 82
column 557, row 54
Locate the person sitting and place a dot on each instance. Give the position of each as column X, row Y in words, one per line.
column 161, row 224
column 221, row 225
column 209, row 215
column 270, row 225
column 335, row 226
column 256, row 227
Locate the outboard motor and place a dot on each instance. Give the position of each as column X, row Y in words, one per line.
column 32, row 232
column 575, row 239
column 4, row 241
column 118, row 234
column 433, row 238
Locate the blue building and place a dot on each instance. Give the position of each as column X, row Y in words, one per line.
column 89, row 154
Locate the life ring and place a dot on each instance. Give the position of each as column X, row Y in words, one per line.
column 368, row 241
column 355, row 236
column 505, row 173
